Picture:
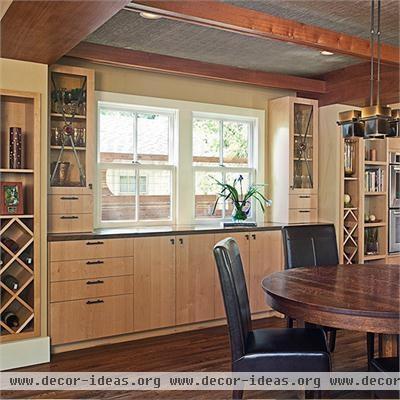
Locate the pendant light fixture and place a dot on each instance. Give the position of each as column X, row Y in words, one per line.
column 376, row 117
column 374, row 120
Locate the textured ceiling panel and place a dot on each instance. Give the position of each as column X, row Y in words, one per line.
column 180, row 39
column 347, row 16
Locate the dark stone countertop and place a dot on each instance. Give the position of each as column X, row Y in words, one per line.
column 168, row 230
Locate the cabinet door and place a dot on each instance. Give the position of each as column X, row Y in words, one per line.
column 195, row 278
column 304, row 139
column 154, row 282
column 265, row 258
column 243, row 240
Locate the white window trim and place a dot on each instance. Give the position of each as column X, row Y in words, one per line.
column 135, row 166
column 252, row 171
column 183, row 163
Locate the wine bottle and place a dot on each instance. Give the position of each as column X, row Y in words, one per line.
column 26, row 258
column 10, row 319
column 10, row 244
column 11, row 282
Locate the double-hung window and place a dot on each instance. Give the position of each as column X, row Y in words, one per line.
column 223, row 151
column 135, row 178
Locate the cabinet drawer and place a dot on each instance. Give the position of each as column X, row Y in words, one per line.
column 90, row 269
column 66, row 223
column 77, row 320
column 303, row 215
column 87, row 288
column 90, row 249
column 303, row 201
column 70, row 204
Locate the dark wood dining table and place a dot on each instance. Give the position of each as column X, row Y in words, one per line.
column 360, row 297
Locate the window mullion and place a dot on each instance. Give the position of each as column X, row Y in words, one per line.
column 221, row 142
column 135, row 129
column 137, row 174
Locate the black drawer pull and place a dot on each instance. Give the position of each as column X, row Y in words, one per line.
column 304, row 197
column 98, row 282
column 93, row 243
column 69, row 217
column 94, row 262
column 69, row 198
column 95, row 301
column 304, row 211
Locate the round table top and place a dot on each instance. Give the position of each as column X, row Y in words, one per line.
column 356, row 297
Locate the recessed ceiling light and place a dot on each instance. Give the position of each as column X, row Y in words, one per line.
column 149, row 15
column 326, row 53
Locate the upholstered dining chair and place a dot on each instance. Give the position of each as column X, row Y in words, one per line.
column 312, row 245
column 263, row 350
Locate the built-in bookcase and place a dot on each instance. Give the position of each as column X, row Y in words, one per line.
column 20, row 233
column 374, row 185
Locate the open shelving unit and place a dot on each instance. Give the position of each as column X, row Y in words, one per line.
column 19, row 233
column 375, row 199
column 350, row 235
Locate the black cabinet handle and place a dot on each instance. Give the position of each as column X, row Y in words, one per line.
column 172, row 241
column 304, row 211
column 95, row 301
column 98, row 282
column 93, row 243
column 181, row 241
column 69, row 198
column 254, row 236
column 69, row 217
column 247, row 237
column 94, row 262
column 304, row 197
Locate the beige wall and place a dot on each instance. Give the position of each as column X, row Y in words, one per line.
column 32, row 77
column 143, row 83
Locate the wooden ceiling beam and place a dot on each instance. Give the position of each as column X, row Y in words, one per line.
column 351, row 85
column 43, row 31
column 213, row 13
column 179, row 66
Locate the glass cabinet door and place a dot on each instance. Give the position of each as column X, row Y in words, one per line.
column 303, row 146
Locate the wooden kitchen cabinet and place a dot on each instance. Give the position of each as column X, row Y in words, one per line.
column 154, row 282
column 265, row 258
column 195, row 278
column 243, row 240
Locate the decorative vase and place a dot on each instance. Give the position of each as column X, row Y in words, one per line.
column 16, row 148
column 349, row 158
column 241, row 213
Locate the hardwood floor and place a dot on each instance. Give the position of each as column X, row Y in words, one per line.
column 203, row 350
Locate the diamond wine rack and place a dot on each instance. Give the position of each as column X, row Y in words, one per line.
column 350, row 232
column 17, row 263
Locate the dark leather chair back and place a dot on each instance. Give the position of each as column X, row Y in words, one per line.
column 311, row 245
column 234, row 292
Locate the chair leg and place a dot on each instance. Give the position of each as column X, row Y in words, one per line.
column 370, row 347
column 332, row 341
column 289, row 322
column 237, row 395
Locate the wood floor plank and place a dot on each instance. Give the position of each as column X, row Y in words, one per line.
column 202, row 350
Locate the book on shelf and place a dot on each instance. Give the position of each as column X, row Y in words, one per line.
column 375, row 180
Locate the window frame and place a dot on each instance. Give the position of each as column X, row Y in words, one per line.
column 251, row 168
column 136, row 165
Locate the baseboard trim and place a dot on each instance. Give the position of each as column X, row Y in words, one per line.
column 61, row 348
column 23, row 353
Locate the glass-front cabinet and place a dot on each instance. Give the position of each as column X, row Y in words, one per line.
column 71, row 145
column 293, row 153
column 304, row 145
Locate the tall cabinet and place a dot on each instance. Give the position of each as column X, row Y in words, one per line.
column 71, row 149
column 293, row 159
column 20, row 215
